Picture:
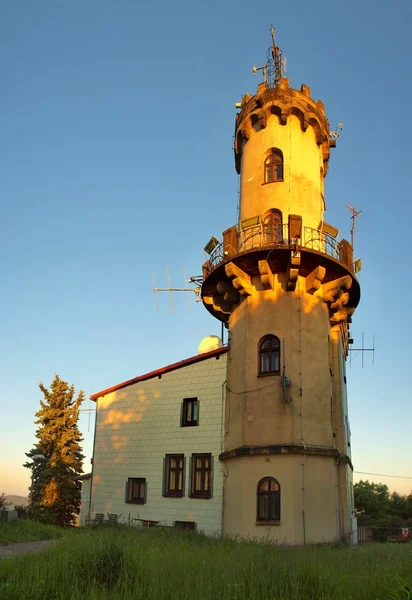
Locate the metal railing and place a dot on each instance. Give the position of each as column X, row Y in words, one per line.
column 259, row 236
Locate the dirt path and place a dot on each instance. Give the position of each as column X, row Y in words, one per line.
column 24, row 548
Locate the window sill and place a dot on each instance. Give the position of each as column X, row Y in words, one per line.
column 269, row 182
column 135, row 501
column 201, row 495
column 269, row 374
column 190, row 424
column 268, row 523
column 173, row 494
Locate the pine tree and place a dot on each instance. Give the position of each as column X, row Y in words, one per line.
column 56, row 458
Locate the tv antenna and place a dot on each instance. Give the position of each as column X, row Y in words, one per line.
column 362, row 350
column 355, row 215
column 196, row 281
column 275, row 66
column 89, row 411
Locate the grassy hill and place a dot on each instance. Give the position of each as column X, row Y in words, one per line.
column 17, row 500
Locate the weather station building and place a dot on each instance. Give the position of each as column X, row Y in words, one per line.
column 252, row 438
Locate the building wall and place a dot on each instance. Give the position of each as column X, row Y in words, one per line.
column 309, row 499
column 343, row 439
column 256, row 415
column 255, row 412
column 138, row 425
column 302, row 187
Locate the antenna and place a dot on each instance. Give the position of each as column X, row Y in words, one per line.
column 195, row 280
column 335, row 134
column 363, row 349
column 187, row 290
column 355, row 214
column 276, row 57
column 170, row 290
column 155, row 290
column 275, row 64
column 88, row 411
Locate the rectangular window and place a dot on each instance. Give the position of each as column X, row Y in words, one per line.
column 174, row 475
column 185, row 525
column 190, row 412
column 201, row 485
column 136, row 490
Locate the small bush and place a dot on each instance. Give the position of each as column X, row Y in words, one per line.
column 22, row 511
column 3, row 503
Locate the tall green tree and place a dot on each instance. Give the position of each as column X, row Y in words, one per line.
column 56, row 458
column 372, row 500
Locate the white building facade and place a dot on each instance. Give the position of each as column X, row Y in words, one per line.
column 157, row 443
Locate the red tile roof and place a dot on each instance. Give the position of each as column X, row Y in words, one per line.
column 178, row 365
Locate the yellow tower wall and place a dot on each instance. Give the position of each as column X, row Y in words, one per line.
column 309, row 498
column 302, row 188
column 255, row 413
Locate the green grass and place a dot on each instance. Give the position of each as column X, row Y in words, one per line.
column 23, row 530
column 123, row 563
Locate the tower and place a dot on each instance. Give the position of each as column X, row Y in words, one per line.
column 286, row 289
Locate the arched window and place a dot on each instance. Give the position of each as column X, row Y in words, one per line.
column 269, row 355
column 272, row 227
column 274, row 166
column 268, row 500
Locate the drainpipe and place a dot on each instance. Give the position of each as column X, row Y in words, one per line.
column 303, row 501
column 222, row 433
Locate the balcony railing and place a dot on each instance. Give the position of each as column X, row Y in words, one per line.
column 259, row 236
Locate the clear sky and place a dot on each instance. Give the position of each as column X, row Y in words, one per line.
column 116, row 125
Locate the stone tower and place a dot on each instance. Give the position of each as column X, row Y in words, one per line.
column 285, row 287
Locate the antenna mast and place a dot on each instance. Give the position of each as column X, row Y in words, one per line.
column 362, row 350
column 196, row 281
column 355, row 214
column 276, row 53
column 275, row 64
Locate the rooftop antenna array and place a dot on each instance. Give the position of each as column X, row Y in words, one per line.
column 357, row 267
column 196, row 281
column 275, row 64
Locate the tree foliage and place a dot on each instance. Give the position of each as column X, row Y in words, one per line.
column 56, row 458
column 374, row 503
column 3, row 503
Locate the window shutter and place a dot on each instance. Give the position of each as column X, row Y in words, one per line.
column 211, row 475
column 164, row 486
column 190, row 476
column 184, row 477
column 126, row 491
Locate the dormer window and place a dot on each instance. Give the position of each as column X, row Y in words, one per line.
column 269, row 355
column 274, row 166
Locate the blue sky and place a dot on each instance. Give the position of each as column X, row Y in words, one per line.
column 116, row 157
